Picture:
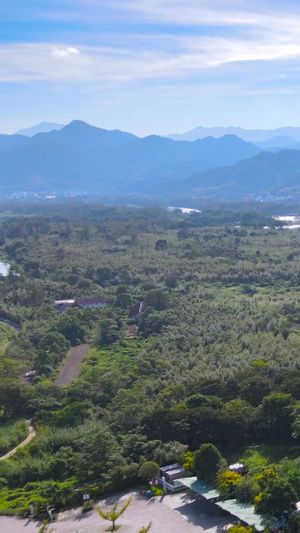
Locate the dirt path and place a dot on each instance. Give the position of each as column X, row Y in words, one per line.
column 31, row 436
column 71, row 368
column 4, row 347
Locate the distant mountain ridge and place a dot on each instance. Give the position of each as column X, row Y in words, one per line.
column 110, row 162
column 254, row 136
column 115, row 163
column 43, row 127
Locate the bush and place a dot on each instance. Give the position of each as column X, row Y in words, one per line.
column 227, row 484
column 148, row 470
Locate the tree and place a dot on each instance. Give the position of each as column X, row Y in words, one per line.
column 70, row 326
column 44, row 528
column 167, row 452
column 278, row 496
column 247, row 489
column 228, row 483
column 157, row 298
column 103, row 274
column 109, row 332
column 254, row 388
column 11, row 397
column 152, row 322
column 206, row 462
column 276, row 413
column 55, row 345
column 148, row 470
column 161, row 244
column 114, row 514
column 146, row 529
column 241, row 529
column 124, row 300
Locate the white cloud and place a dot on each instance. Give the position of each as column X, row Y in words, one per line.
column 64, row 52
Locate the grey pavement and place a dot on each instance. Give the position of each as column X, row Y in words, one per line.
column 179, row 513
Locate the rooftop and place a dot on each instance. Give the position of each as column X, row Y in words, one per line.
column 64, row 302
column 203, row 489
column 96, row 300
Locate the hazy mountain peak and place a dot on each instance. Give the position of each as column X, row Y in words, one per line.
column 79, row 125
column 43, row 127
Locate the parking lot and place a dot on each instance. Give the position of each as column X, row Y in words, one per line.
column 177, row 513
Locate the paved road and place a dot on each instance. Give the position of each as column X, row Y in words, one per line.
column 179, row 513
column 70, row 369
column 31, row 435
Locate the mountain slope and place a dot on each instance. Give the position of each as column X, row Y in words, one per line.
column 265, row 173
column 279, row 141
column 10, row 141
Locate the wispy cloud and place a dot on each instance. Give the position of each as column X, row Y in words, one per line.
column 212, row 47
column 205, row 12
column 169, row 57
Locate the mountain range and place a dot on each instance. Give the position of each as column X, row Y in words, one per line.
column 290, row 135
column 87, row 159
column 80, row 156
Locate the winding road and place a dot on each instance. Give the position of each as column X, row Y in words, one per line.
column 31, row 435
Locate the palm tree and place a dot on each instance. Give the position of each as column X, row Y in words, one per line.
column 44, row 528
column 146, row 529
column 114, row 514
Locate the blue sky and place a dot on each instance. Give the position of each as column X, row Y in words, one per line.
column 150, row 66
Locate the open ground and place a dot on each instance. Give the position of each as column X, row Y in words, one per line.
column 71, row 368
column 176, row 513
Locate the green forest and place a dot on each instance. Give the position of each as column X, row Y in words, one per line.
column 213, row 358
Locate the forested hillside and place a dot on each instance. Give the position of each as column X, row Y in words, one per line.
column 214, row 356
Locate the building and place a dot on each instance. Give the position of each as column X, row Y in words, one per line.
column 62, row 305
column 172, row 475
column 84, row 303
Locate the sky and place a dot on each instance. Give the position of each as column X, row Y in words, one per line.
column 150, row 66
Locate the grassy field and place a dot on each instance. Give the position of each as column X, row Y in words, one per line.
column 11, row 434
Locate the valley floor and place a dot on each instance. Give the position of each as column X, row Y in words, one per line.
column 178, row 513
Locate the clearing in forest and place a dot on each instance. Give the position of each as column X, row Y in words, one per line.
column 70, row 369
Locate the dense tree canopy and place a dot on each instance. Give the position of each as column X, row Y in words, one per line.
column 213, row 358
